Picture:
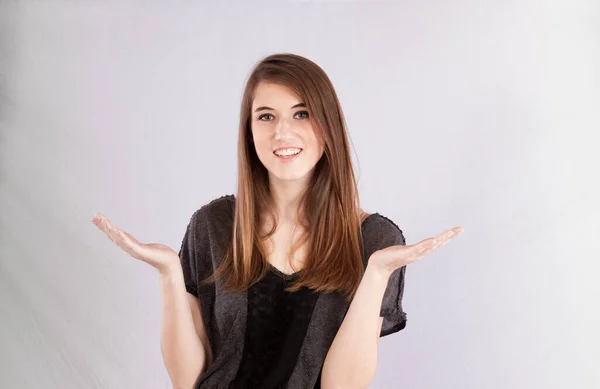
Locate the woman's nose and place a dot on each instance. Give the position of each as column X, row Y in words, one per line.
column 283, row 129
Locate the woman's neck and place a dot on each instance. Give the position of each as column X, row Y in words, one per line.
column 286, row 198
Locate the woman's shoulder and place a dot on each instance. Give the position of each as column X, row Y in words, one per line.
column 220, row 209
column 377, row 220
column 377, row 227
column 220, row 203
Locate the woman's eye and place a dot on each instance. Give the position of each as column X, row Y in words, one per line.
column 261, row 117
column 269, row 117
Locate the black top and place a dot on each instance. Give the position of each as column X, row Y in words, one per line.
column 275, row 330
column 250, row 325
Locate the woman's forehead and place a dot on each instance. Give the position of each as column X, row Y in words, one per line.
column 275, row 96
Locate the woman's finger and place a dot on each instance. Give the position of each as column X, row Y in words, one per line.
column 134, row 247
column 128, row 245
column 105, row 226
column 119, row 237
column 424, row 245
column 430, row 244
column 102, row 223
column 97, row 220
column 444, row 238
column 129, row 239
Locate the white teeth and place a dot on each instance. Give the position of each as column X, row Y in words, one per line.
column 287, row 152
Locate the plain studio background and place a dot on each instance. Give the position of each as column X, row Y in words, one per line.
column 470, row 113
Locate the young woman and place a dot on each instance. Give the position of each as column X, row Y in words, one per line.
column 288, row 284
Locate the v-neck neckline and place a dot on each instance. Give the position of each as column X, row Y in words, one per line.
column 288, row 277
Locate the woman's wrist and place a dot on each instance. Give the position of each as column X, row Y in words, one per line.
column 170, row 270
column 378, row 272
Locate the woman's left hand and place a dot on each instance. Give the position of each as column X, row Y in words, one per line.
column 394, row 257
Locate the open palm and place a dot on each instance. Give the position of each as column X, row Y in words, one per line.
column 394, row 257
column 155, row 254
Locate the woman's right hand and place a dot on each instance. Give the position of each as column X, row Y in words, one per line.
column 161, row 257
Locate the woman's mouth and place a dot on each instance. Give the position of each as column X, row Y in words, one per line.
column 287, row 154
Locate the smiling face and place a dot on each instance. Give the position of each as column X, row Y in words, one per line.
column 283, row 133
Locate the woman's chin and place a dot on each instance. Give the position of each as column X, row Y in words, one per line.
column 288, row 175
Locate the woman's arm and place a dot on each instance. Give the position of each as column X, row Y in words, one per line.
column 184, row 342
column 352, row 358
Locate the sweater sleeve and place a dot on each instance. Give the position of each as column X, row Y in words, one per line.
column 188, row 256
column 386, row 234
column 205, row 238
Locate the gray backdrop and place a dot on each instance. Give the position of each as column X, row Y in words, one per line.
column 473, row 113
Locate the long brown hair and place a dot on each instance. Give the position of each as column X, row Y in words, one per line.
column 330, row 204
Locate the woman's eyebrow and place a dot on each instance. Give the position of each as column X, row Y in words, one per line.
column 263, row 108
